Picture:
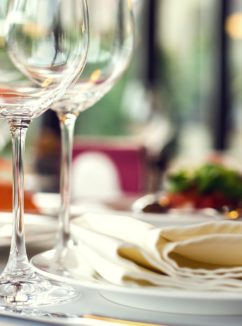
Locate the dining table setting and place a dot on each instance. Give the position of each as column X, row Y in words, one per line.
column 166, row 258
column 179, row 267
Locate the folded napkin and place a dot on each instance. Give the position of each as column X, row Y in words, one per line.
column 126, row 251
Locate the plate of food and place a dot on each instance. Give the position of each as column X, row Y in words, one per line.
column 211, row 191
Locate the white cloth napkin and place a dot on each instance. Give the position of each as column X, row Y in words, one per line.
column 126, row 251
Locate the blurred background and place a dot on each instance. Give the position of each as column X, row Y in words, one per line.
column 179, row 101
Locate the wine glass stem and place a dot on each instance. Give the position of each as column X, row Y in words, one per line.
column 18, row 259
column 67, row 124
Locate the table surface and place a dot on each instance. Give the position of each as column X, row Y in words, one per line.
column 91, row 301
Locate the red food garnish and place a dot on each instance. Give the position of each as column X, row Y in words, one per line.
column 197, row 200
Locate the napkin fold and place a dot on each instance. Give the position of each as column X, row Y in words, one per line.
column 126, row 251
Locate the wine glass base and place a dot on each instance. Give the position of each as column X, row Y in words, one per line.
column 32, row 289
column 62, row 265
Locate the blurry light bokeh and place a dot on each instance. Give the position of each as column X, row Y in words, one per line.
column 233, row 26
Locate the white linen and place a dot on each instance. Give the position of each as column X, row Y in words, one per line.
column 123, row 250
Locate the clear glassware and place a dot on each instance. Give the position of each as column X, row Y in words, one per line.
column 5, row 137
column 111, row 39
column 43, row 47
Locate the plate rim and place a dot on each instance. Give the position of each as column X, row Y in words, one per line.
column 154, row 291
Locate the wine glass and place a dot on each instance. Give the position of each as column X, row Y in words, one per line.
column 110, row 47
column 43, row 47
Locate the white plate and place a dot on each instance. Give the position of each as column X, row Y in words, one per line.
column 49, row 204
column 176, row 216
column 166, row 219
column 176, row 301
column 38, row 228
column 163, row 300
column 163, row 219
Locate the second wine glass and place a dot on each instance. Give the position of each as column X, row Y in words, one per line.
column 111, row 38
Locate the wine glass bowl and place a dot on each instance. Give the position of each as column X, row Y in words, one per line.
column 111, row 41
column 43, row 47
column 110, row 49
column 47, row 41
